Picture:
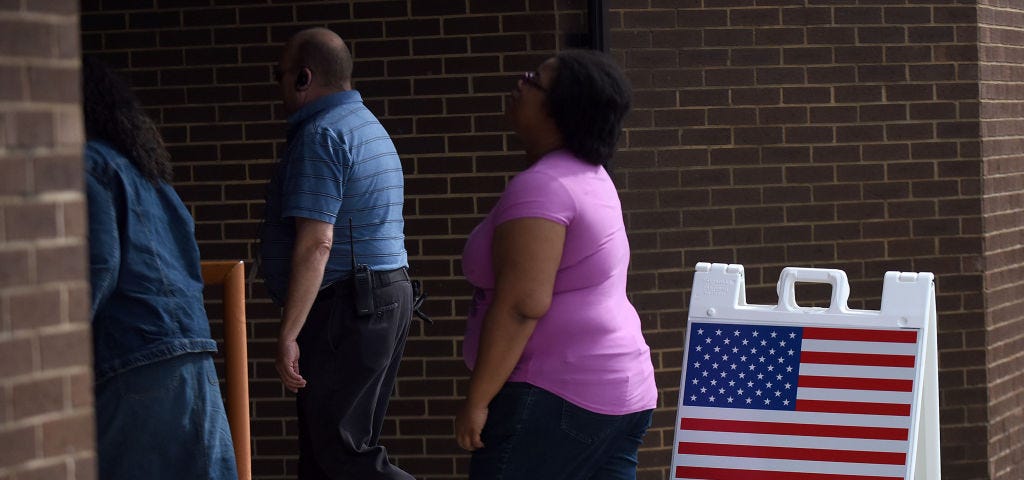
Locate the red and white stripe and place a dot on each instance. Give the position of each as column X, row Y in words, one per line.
column 852, row 418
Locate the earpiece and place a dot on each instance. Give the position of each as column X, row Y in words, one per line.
column 302, row 79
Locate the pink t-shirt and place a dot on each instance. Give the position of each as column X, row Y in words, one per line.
column 588, row 348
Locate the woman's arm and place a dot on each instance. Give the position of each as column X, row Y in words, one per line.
column 526, row 253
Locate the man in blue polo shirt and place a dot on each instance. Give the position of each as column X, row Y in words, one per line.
column 335, row 202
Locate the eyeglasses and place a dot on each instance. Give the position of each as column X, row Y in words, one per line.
column 533, row 79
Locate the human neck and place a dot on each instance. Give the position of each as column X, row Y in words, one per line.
column 543, row 146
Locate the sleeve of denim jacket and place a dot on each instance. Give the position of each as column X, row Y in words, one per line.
column 104, row 236
column 314, row 182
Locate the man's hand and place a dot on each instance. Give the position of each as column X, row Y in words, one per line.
column 469, row 422
column 288, row 365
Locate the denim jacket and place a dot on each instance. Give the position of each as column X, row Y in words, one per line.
column 147, row 288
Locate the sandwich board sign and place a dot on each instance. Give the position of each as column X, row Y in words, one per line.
column 773, row 392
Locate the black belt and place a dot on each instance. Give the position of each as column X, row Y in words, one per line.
column 380, row 279
column 383, row 279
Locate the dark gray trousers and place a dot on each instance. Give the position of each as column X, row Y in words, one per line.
column 350, row 364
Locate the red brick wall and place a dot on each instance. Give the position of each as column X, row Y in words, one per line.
column 46, row 415
column 1001, row 34
column 827, row 134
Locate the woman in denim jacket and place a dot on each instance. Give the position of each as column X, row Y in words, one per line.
column 159, row 413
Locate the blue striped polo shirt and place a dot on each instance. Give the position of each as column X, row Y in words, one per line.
column 339, row 164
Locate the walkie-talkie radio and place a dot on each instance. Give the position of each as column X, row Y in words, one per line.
column 362, row 278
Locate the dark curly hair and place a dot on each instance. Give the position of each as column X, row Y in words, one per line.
column 113, row 114
column 588, row 99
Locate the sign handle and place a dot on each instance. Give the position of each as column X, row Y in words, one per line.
column 786, row 287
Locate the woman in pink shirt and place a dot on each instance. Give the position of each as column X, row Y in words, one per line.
column 562, row 384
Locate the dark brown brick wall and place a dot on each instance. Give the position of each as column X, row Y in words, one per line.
column 46, row 404
column 1001, row 66
column 435, row 71
column 832, row 133
column 837, row 134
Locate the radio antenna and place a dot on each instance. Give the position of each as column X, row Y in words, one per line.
column 351, row 245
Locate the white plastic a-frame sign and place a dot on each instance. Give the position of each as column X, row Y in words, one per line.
column 784, row 392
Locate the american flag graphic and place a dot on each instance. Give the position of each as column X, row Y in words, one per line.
column 796, row 403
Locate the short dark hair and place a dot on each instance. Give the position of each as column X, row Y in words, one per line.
column 588, row 99
column 113, row 114
column 331, row 62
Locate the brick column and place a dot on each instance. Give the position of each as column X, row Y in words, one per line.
column 1001, row 70
column 46, row 416
column 837, row 134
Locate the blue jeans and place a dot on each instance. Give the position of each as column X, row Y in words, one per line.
column 164, row 420
column 533, row 434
